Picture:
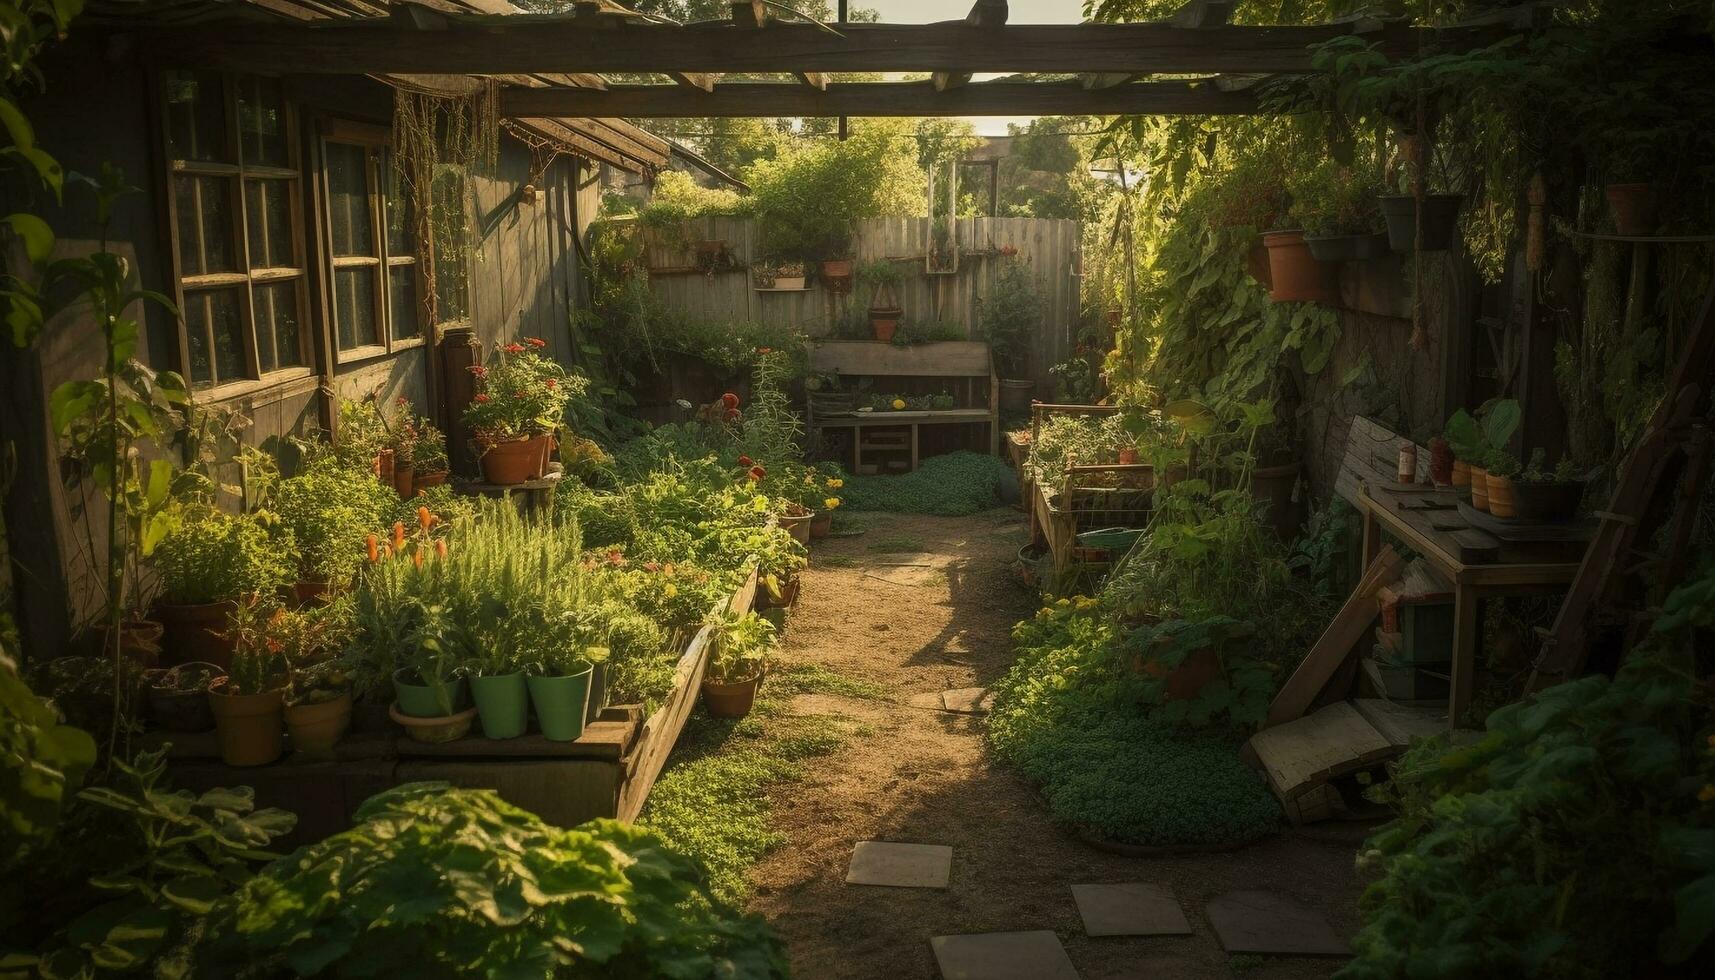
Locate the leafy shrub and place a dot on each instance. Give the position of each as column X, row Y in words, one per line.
column 1011, row 317
column 212, row 556
column 45, row 763
column 954, row 485
column 326, row 515
column 808, row 200
column 442, row 882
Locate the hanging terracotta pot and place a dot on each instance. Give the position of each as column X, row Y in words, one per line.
column 884, row 322
column 511, row 461
column 1294, row 274
column 1633, row 207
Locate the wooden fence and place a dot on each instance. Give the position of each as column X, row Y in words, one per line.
column 1049, row 246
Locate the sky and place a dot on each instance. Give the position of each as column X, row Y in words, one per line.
column 1019, row 12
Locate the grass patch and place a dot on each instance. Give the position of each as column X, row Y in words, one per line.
column 953, row 485
column 712, row 800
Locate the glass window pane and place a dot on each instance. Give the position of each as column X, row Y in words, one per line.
column 205, row 225
column 277, row 331
column 348, row 200
column 268, row 215
column 262, row 121
column 196, row 116
column 402, row 282
column 401, row 236
column 215, row 323
column 452, row 264
column 354, row 306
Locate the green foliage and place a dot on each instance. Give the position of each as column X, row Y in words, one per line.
column 739, row 646
column 809, row 199
column 42, row 762
column 443, row 882
column 1333, row 200
column 953, row 485
column 1011, row 317
column 211, row 556
column 325, row 515
column 678, row 198
column 520, row 392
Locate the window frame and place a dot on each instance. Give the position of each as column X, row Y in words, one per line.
column 244, row 277
column 377, row 145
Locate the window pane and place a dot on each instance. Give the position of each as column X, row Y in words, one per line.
column 277, row 334
column 401, row 236
column 452, row 264
column 196, row 116
column 402, row 281
column 354, row 306
column 214, row 317
column 205, row 225
column 268, row 215
column 348, row 200
column 262, row 121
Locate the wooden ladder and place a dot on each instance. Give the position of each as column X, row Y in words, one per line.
column 1658, row 488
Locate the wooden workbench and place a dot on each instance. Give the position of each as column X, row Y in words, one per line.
column 1477, row 563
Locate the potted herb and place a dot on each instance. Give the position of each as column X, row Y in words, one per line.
column 362, row 441
column 207, row 564
column 786, row 275
column 1544, row 494
column 1009, row 318
column 429, row 455
column 883, row 278
column 1498, row 471
column 1338, row 211
column 325, row 513
column 739, row 646
column 249, row 703
column 560, row 691
column 428, row 685
column 318, row 693
column 178, row 696
column 520, row 400
column 497, row 686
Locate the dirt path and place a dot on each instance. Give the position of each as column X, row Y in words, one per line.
column 919, row 605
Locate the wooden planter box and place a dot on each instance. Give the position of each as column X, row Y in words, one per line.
column 606, row 772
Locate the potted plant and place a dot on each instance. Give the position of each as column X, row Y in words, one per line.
column 1498, row 470
column 560, row 689
column 1474, row 439
column 318, row 708
column 520, row 400
column 1009, row 318
column 325, row 513
column 883, row 278
column 1338, row 212
column 789, row 275
column 1544, row 494
column 1422, row 188
column 206, row 564
column 178, row 696
column 497, row 686
column 428, row 685
column 402, row 440
column 429, row 456
column 249, row 703
column 739, row 646
column 361, row 440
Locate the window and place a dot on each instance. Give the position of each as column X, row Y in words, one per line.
column 237, row 241
column 377, row 305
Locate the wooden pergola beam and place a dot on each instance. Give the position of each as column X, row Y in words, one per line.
column 817, row 80
column 556, row 43
column 696, row 81
column 879, row 99
column 944, row 80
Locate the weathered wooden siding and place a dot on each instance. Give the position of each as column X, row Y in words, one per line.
column 1049, row 246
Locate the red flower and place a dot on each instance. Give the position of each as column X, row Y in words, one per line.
column 732, row 415
column 746, row 461
column 536, row 342
column 482, row 398
column 552, row 384
column 757, row 472
column 765, row 350
column 401, row 400
column 478, row 370
column 513, row 348
column 730, row 400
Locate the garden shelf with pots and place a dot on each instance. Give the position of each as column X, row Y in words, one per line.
column 607, row 771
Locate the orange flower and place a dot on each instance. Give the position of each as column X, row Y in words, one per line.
column 398, row 535
column 513, row 348
column 424, row 518
column 417, row 556
column 481, row 398
column 374, row 549
column 441, row 548
column 537, row 342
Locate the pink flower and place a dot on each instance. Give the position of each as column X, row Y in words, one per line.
column 513, row 348
column 482, row 398
column 401, row 400
column 478, row 370
column 536, row 342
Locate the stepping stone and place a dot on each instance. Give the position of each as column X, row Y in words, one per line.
column 967, row 701
column 1003, row 956
column 1260, row 922
column 1130, row 909
column 900, row 865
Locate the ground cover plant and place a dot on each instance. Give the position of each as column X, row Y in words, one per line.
column 954, row 485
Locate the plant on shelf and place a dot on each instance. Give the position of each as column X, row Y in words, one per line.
column 739, row 648
column 809, row 199
column 208, row 563
column 779, row 275
column 428, row 454
column 249, row 703
column 1478, row 440
column 1011, row 316
column 520, row 400
column 634, row 907
column 882, row 278
column 1339, row 212
column 325, row 513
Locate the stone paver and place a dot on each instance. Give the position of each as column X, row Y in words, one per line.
column 1003, row 956
column 1262, row 922
column 968, row 700
column 900, row 865
column 1130, row 909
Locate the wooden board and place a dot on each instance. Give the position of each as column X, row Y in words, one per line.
column 1400, row 723
column 1372, row 456
column 1299, row 757
column 1336, row 642
column 947, row 358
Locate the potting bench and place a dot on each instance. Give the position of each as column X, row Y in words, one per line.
column 966, row 365
column 1086, row 497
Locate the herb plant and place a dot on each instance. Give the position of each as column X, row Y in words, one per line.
column 212, row 556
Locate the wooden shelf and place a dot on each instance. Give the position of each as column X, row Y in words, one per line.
column 1647, row 239
column 771, row 289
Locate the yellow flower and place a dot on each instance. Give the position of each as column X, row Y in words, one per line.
column 831, row 502
column 1063, row 602
column 834, row 484
column 671, row 590
column 898, row 403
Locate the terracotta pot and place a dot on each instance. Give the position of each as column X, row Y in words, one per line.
column 1461, row 473
column 139, row 640
column 445, row 728
column 1479, row 488
column 250, row 727
column 511, row 462
column 1633, row 207
column 1128, row 456
column 384, row 466
column 1441, row 462
column 181, row 710
column 821, row 524
column 1502, row 503
column 1294, row 274
column 424, row 479
column 317, row 728
column 196, row 632
column 884, row 322
column 402, row 477
column 730, row 700
column 798, row 525
column 309, row 592
column 1256, row 263
column 1187, row 680
column 837, row 269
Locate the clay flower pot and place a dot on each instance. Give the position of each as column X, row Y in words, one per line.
column 1633, row 207
column 196, row 632
column 250, row 727
column 402, row 481
column 821, row 524
column 884, row 322
column 384, row 466
column 317, row 728
column 446, row 728
column 1479, row 488
column 424, row 479
column 1502, row 502
column 733, row 700
column 1461, row 473
column 1294, row 274
column 1128, row 456
column 798, row 525
column 511, row 461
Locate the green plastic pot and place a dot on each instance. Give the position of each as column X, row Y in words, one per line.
column 560, row 704
column 503, row 704
column 421, row 700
